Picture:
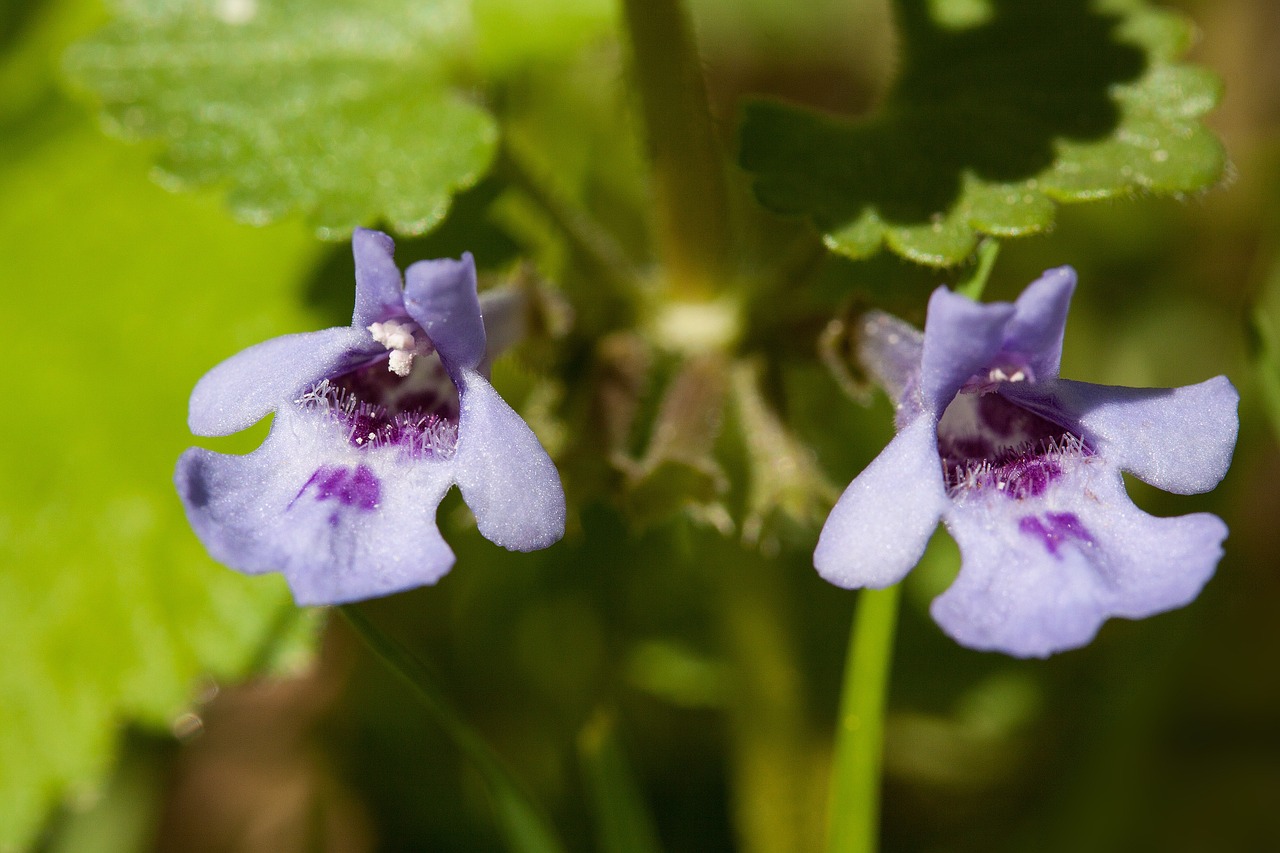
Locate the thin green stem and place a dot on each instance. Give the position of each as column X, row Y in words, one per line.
column 526, row 828
column 854, row 819
column 690, row 189
column 973, row 286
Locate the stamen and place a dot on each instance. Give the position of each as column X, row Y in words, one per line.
column 393, row 335
column 401, row 340
column 400, row 362
column 1009, row 371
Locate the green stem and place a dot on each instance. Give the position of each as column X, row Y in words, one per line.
column 690, row 189
column 973, row 286
column 525, row 826
column 854, row 820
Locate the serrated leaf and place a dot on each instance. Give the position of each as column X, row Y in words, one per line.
column 1002, row 108
column 116, row 297
column 348, row 112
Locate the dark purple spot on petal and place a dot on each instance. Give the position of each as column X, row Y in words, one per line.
column 351, row 487
column 1069, row 525
column 1055, row 530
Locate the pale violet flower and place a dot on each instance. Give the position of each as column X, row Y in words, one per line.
column 1025, row 469
column 373, row 424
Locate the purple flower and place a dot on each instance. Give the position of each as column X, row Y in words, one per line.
column 373, row 424
column 1024, row 469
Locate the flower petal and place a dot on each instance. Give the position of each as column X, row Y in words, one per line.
column 505, row 476
column 341, row 524
column 505, row 312
column 1177, row 439
column 240, row 391
column 379, row 291
column 961, row 338
column 441, row 296
column 1040, row 576
column 890, row 350
column 880, row 526
column 1039, row 321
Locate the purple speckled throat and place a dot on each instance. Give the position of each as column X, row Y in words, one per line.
column 417, row 413
column 986, row 441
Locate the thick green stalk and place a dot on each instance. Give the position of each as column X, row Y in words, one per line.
column 689, row 184
column 525, row 827
column 854, row 819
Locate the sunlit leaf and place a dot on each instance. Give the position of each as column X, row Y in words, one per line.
column 1002, row 108
column 347, row 112
column 116, row 297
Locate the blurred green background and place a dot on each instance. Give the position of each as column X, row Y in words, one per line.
column 714, row 666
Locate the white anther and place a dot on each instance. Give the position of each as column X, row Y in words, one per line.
column 399, row 339
column 400, row 362
column 393, row 335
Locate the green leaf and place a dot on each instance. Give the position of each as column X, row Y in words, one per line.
column 1002, row 108
column 117, row 296
column 347, row 112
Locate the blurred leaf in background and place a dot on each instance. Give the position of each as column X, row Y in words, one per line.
column 115, row 298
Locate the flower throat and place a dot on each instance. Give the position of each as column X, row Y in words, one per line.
column 985, row 441
column 377, row 407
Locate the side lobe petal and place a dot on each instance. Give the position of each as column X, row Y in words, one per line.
column 1041, row 576
column 505, row 476
column 961, row 338
column 342, row 525
column 879, row 528
column 1039, row 321
column 1177, row 439
column 890, row 349
column 441, row 296
column 240, row 391
column 505, row 313
column 379, row 292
